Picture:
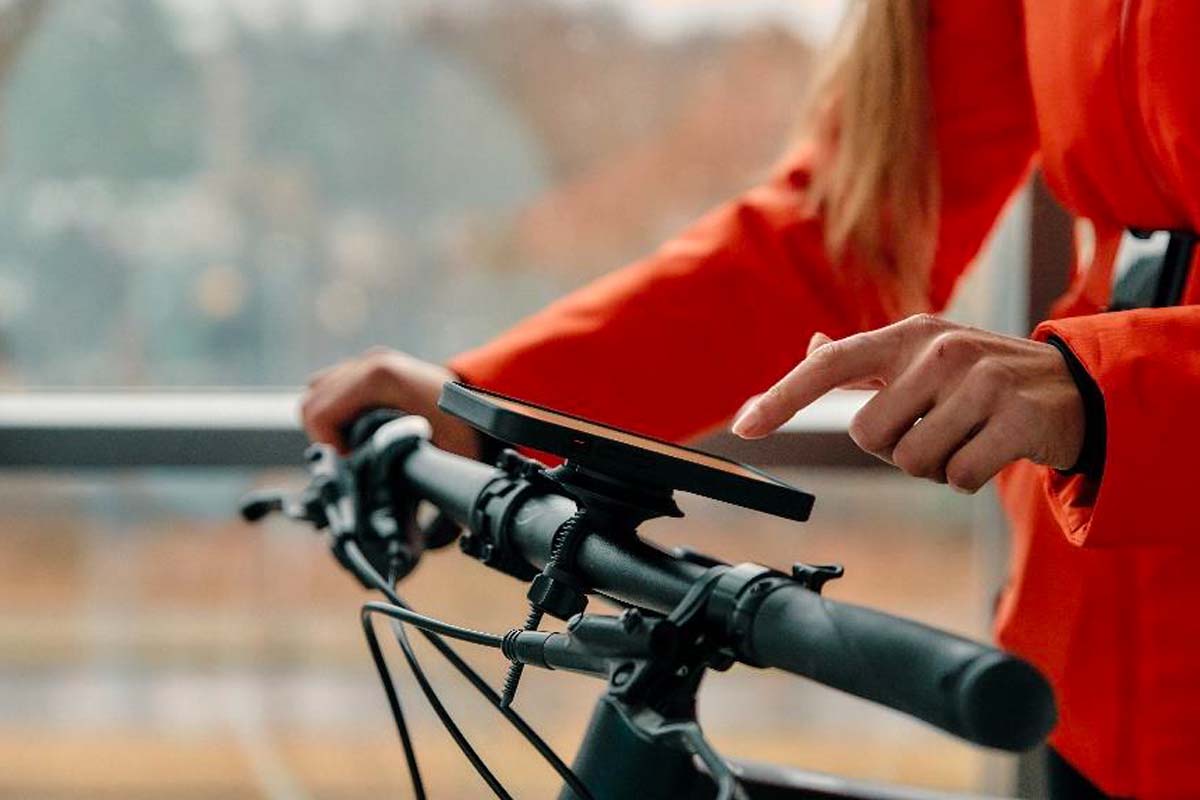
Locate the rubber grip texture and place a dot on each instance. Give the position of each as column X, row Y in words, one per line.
column 966, row 688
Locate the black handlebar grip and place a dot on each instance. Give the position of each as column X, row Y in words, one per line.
column 971, row 690
column 356, row 432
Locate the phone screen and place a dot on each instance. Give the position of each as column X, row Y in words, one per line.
column 623, row 455
column 625, row 437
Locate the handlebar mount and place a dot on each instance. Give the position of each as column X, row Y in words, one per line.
column 570, row 533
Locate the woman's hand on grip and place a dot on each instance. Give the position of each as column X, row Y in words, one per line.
column 382, row 378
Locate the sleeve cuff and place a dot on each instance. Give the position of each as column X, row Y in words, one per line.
column 1090, row 463
column 1146, row 366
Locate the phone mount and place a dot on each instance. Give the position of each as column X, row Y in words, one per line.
column 614, row 503
column 617, row 479
column 607, row 505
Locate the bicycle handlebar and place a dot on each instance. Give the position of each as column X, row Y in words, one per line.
column 968, row 689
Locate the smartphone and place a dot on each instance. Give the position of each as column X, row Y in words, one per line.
column 624, row 455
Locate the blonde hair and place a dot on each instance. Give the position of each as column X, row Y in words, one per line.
column 875, row 167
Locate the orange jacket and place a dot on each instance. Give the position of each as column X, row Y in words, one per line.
column 1104, row 594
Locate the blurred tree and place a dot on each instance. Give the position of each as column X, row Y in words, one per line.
column 103, row 91
column 238, row 193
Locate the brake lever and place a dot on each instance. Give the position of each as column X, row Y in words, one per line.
column 254, row 506
column 351, row 497
column 301, row 507
column 439, row 532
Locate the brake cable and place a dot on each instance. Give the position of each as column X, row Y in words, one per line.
column 431, row 696
column 433, row 630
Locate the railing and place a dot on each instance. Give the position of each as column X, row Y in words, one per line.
column 131, row 429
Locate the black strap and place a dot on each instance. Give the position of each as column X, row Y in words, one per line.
column 1091, row 455
column 1176, row 263
column 1156, row 282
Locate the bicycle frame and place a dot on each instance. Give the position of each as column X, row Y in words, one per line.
column 615, row 755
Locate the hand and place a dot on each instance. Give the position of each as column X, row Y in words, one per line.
column 955, row 404
column 388, row 379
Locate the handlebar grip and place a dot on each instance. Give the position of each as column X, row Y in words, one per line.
column 971, row 690
column 452, row 483
column 356, row 432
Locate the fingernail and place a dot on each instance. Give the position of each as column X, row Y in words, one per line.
column 747, row 422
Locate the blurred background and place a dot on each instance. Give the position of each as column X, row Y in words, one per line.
column 225, row 195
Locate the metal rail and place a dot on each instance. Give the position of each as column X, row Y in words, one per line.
column 63, row 430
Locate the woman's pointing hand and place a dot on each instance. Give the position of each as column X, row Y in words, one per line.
column 955, row 404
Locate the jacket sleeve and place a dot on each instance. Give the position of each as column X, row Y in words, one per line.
column 1147, row 366
column 673, row 344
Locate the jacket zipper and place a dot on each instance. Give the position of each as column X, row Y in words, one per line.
column 1128, row 97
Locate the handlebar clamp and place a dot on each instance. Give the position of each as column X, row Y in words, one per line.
column 486, row 537
column 734, row 600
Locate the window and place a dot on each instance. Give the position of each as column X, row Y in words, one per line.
column 237, row 193
column 234, row 193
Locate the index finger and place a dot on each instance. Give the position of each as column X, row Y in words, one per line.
column 858, row 358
